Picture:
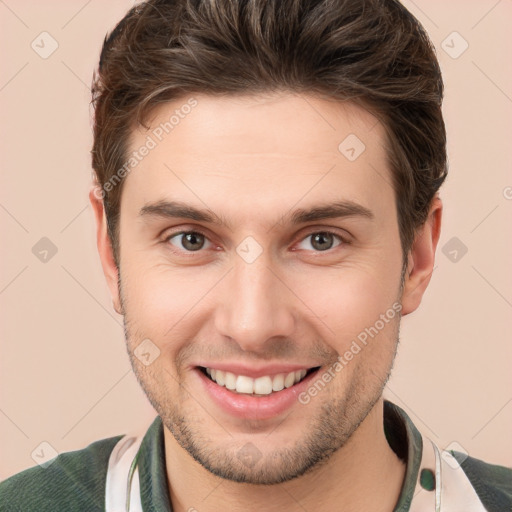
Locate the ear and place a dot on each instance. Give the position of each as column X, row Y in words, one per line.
column 421, row 258
column 104, row 246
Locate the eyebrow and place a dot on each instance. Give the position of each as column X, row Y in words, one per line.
column 178, row 209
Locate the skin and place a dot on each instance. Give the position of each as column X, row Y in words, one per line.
column 251, row 160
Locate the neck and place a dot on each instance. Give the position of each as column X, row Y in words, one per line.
column 365, row 474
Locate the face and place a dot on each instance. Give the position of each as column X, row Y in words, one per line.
column 293, row 310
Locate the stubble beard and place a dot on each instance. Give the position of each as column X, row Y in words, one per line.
column 333, row 426
column 331, row 429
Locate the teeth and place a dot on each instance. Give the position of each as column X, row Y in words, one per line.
column 260, row 386
column 278, row 382
column 220, row 377
column 289, row 380
column 244, row 384
column 230, row 380
column 263, row 386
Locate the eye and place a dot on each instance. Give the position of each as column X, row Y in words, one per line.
column 322, row 241
column 190, row 241
column 194, row 241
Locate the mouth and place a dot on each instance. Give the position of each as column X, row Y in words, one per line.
column 263, row 386
column 255, row 393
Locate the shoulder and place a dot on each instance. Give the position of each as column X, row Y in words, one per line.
column 72, row 481
column 492, row 483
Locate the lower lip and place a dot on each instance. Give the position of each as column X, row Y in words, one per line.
column 254, row 407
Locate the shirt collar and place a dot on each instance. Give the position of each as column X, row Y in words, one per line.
column 406, row 441
column 154, row 491
column 402, row 436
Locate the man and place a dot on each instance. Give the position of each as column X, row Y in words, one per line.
column 267, row 209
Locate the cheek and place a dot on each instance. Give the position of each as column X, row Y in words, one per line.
column 163, row 302
column 348, row 301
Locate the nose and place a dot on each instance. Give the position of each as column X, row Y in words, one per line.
column 255, row 305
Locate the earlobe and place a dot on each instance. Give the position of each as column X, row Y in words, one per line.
column 421, row 259
column 104, row 245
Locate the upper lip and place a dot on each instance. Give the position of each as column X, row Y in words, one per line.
column 256, row 371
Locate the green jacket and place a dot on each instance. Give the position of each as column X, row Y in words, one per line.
column 76, row 481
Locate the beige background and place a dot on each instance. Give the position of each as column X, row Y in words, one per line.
column 65, row 375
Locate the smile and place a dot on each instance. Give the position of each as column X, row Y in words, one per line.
column 260, row 386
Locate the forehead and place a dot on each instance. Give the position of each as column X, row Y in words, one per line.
column 234, row 153
column 272, row 124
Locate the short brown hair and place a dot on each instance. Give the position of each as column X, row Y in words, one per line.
column 372, row 52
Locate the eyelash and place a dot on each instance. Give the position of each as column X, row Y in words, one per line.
column 343, row 240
